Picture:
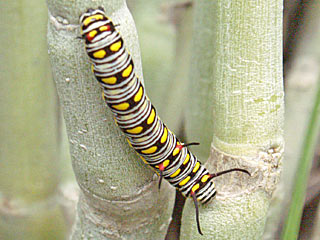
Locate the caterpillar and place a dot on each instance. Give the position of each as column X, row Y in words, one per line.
column 135, row 115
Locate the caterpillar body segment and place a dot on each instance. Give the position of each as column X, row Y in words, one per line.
column 135, row 115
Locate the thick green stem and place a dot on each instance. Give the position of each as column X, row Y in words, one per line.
column 247, row 103
column 248, row 97
column 29, row 131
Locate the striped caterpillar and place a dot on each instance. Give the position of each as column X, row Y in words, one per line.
column 137, row 118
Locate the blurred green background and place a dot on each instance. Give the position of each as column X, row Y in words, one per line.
column 38, row 192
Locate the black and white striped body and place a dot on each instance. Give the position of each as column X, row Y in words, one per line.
column 134, row 113
column 125, row 94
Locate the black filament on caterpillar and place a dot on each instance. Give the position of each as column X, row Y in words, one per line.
column 125, row 95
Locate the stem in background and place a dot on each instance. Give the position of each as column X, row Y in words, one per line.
column 175, row 97
column 198, row 112
column 302, row 78
column 31, row 163
column 292, row 225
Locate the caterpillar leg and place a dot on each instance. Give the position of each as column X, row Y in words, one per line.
column 161, row 169
column 193, row 195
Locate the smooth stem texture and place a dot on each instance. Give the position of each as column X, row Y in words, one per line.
column 238, row 88
column 301, row 89
column 248, row 91
column 292, row 225
column 199, row 119
column 175, row 97
column 30, row 160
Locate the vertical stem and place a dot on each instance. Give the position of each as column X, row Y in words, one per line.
column 248, row 97
column 199, row 120
column 29, row 131
column 302, row 77
column 248, row 107
column 175, row 97
column 292, row 225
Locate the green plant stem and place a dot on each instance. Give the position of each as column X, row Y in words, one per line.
column 30, row 160
column 246, row 104
column 292, row 225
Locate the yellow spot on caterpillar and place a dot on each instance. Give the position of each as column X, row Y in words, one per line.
column 92, row 18
column 150, row 150
column 92, row 68
column 116, row 46
column 135, row 130
column 138, row 96
column 122, row 106
column 164, row 135
column 175, row 173
column 175, row 151
column 92, row 33
column 110, row 80
column 151, row 117
column 184, row 181
column 196, row 167
column 99, row 54
column 166, row 163
column 103, row 28
column 195, row 187
column 204, row 178
column 187, row 159
column 127, row 71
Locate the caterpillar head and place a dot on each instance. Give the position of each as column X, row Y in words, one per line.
column 94, row 21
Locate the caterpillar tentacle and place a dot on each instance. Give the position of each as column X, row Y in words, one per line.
column 213, row 175
column 190, row 144
column 137, row 118
column 194, row 198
